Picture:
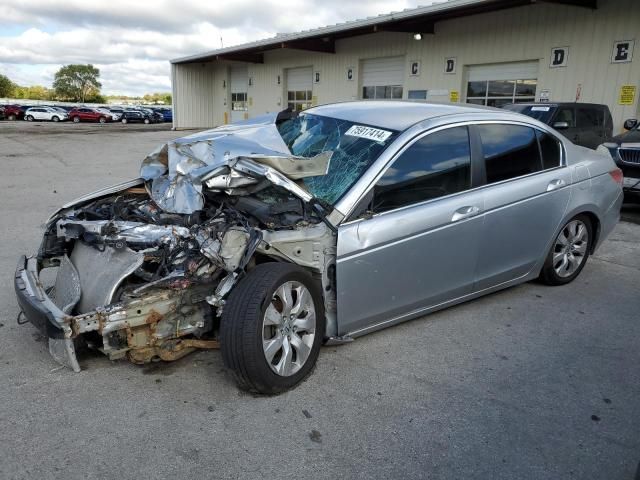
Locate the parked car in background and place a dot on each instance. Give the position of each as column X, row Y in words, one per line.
column 2, row 117
column 154, row 116
column 135, row 116
column 116, row 112
column 167, row 113
column 585, row 124
column 86, row 114
column 45, row 113
column 269, row 238
column 14, row 112
column 114, row 116
column 625, row 151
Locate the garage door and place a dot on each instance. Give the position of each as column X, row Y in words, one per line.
column 501, row 83
column 382, row 77
column 299, row 88
column 239, row 87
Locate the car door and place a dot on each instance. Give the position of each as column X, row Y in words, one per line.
column 416, row 245
column 525, row 198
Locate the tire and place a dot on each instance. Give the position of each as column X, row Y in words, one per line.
column 29, row 118
column 558, row 268
column 243, row 329
column 124, row 120
column 102, row 120
column 55, row 119
column 76, row 119
column 146, row 121
column 11, row 117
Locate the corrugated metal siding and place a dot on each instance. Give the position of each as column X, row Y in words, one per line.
column 193, row 92
column 514, row 35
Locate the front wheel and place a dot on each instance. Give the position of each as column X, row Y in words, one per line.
column 29, row 118
column 124, row 120
column 272, row 328
column 569, row 252
column 55, row 119
column 76, row 119
column 102, row 120
column 146, row 121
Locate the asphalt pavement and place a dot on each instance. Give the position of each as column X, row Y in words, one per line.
column 533, row 382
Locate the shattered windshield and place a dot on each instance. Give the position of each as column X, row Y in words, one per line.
column 355, row 147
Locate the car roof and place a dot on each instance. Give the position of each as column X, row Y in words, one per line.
column 559, row 104
column 393, row 114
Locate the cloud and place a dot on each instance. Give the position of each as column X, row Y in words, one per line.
column 132, row 41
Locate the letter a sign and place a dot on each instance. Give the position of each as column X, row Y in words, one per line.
column 559, row 57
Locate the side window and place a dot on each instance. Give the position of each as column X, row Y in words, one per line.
column 565, row 114
column 550, row 150
column 509, row 151
column 436, row 165
column 589, row 118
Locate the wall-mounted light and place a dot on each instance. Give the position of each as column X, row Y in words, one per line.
column 417, row 36
column 251, row 81
column 224, row 84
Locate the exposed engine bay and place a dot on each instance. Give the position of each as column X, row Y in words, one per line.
column 143, row 269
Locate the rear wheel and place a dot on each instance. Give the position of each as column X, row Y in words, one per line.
column 102, row 120
column 12, row 117
column 55, row 119
column 146, row 121
column 29, row 118
column 272, row 328
column 569, row 252
column 124, row 120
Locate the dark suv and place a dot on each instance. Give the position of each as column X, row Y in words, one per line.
column 586, row 124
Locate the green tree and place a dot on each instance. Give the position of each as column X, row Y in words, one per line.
column 6, row 86
column 77, row 82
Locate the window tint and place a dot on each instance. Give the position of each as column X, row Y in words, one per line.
column 565, row 114
column 589, row 118
column 436, row 165
column 509, row 151
column 550, row 149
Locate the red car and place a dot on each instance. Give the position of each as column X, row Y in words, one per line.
column 14, row 112
column 86, row 114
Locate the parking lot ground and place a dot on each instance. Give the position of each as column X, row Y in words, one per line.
column 533, row 382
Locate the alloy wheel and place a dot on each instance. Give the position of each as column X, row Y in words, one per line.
column 289, row 328
column 570, row 248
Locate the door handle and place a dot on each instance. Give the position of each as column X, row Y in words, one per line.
column 555, row 184
column 464, row 212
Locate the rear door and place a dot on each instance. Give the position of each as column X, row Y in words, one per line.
column 526, row 195
column 417, row 245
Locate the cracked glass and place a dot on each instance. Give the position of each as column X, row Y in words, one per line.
column 308, row 135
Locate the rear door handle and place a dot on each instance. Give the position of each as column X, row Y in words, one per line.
column 555, row 184
column 464, row 212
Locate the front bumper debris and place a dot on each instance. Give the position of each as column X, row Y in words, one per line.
column 40, row 310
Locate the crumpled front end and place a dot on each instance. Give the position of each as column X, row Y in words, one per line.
column 143, row 269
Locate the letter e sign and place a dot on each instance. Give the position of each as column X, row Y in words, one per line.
column 559, row 57
column 622, row 51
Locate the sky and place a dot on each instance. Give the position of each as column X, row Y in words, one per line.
column 132, row 41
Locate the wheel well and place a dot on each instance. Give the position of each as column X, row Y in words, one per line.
column 595, row 228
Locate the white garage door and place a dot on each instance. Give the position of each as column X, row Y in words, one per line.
column 299, row 88
column 239, row 87
column 501, row 83
column 382, row 77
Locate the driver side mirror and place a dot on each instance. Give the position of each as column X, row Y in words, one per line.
column 560, row 125
column 630, row 124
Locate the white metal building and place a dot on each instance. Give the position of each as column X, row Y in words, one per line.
column 487, row 52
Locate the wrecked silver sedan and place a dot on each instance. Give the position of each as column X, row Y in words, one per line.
column 270, row 237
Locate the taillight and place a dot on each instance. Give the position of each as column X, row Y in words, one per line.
column 617, row 176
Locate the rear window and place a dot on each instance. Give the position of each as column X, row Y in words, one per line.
column 542, row 113
column 509, row 151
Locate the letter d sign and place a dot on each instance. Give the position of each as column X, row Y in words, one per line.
column 559, row 57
